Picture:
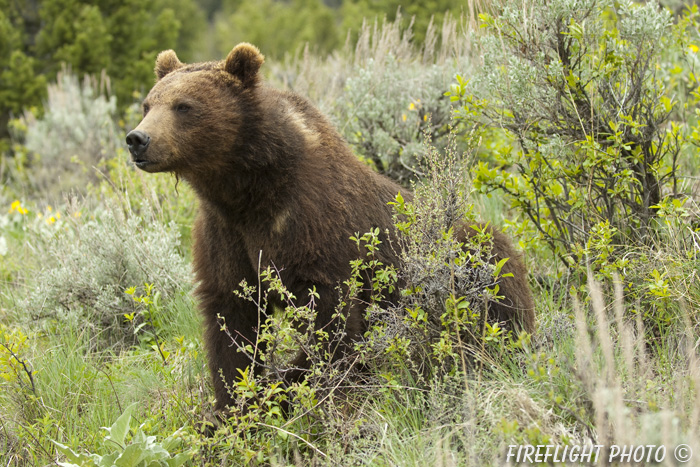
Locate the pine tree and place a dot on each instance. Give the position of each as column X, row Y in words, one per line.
column 119, row 37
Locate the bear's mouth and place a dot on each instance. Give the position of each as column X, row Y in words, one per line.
column 141, row 163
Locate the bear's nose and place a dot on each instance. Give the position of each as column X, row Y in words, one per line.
column 137, row 142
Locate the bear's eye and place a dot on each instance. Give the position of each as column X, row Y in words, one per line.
column 146, row 108
column 182, row 108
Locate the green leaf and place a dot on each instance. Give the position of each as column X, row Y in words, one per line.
column 173, row 441
column 107, row 460
column 179, row 459
column 131, row 457
column 499, row 266
column 118, row 431
column 80, row 460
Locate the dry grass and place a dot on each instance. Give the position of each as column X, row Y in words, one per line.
column 323, row 78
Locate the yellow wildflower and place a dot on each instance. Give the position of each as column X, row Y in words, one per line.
column 693, row 48
column 16, row 206
column 425, row 117
column 403, row 117
column 411, row 106
column 51, row 220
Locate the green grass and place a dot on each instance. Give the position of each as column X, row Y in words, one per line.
column 582, row 378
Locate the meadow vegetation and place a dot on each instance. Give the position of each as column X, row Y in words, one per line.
column 571, row 124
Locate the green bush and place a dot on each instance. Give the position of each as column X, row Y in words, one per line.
column 386, row 109
column 139, row 450
column 439, row 324
column 277, row 28
column 91, row 262
column 90, row 37
column 581, row 89
column 59, row 151
column 393, row 95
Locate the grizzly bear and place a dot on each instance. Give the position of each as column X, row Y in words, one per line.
column 277, row 185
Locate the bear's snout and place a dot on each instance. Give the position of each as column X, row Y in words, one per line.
column 138, row 143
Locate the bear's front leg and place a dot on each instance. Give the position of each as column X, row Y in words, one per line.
column 230, row 324
column 342, row 333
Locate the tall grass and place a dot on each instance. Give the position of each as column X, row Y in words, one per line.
column 322, row 78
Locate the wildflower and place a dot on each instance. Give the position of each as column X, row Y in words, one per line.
column 693, row 48
column 51, row 220
column 412, row 106
column 403, row 117
column 16, row 206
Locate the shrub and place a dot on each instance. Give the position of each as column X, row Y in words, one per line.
column 76, row 133
column 396, row 96
column 439, row 325
column 580, row 92
column 138, row 451
column 385, row 116
column 91, row 262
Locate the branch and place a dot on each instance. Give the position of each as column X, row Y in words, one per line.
column 24, row 365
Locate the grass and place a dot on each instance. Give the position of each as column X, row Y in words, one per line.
column 591, row 375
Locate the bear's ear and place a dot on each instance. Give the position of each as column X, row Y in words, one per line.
column 166, row 62
column 243, row 62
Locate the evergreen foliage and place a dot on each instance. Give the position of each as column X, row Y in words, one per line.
column 121, row 38
column 277, row 27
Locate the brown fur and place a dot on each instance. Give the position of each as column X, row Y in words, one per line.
column 276, row 184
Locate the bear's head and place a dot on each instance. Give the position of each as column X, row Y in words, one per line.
column 195, row 113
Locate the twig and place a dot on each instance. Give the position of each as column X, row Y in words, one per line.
column 295, row 436
column 24, row 365
column 352, row 365
column 116, row 395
